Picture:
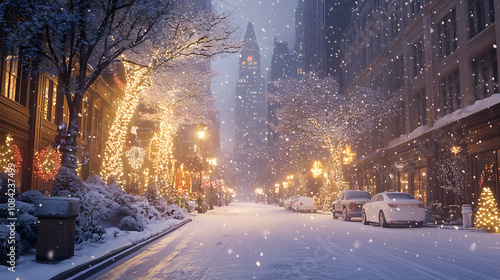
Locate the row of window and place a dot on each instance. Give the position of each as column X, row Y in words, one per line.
column 447, row 100
column 480, row 13
column 54, row 107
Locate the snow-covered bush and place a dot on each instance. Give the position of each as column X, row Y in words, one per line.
column 130, row 224
column 31, row 196
column 67, row 183
column 26, row 229
column 5, row 246
column 147, row 210
column 89, row 233
column 174, row 212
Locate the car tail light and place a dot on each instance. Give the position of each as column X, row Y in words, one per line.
column 301, row 203
column 351, row 205
column 392, row 205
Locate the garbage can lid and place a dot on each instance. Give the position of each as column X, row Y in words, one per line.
column 57, row 207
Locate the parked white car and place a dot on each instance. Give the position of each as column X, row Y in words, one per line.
column 349, row 204
column 304, row 204
column 390, row 208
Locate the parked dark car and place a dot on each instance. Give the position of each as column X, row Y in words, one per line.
column 349, row 204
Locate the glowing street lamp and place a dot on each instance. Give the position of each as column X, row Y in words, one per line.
column 201, row 134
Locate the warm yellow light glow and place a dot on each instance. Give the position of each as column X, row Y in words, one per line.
column 212, row 161
column 487, row 216
column 317, row 169
column 348, row 155
column 201, row 134
column 455, row 150
column 139, row 79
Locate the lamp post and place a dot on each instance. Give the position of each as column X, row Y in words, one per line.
column 212, row 165
column 201, row 135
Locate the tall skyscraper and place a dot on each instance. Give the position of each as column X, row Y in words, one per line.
column 250, row 111
column 321, row 25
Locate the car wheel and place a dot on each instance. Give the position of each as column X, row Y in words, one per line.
column 363, row 218
column 334, row 214
column 345, row 216
column 381, row 219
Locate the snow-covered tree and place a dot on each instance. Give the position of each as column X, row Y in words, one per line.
column 452, row 175
column 66, row 37
column 189, row 33
column 181, row 96
column 313, row 109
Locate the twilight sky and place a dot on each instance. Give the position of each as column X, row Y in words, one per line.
column 271, row 18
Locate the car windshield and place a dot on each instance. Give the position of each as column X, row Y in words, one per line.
column 363, row 195
column 399, row 196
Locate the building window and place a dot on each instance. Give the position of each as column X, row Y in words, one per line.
column 485, row 73
column 97, row 125
column 415, row 7
column 398, row 70
column 84, row 118
column 420, row 184
column 10, row 73
column 481, row 15
column 49, row 100
column 447, row 30
column 486, row 165
column 417, row 57
column 398, row 122
column 419, row 106
column 450, row 94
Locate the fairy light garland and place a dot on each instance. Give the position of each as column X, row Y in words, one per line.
column 10, row 153
column 47, row 163
column 138, row 81
column 135, row 156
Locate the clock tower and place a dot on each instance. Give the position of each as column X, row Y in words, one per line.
column 250, row 111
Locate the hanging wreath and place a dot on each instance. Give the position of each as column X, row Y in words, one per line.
column 135, row 156
column 47, row 163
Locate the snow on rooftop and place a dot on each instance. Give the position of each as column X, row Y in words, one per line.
column 452, row 117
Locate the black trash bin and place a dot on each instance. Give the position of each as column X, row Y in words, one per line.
column 56, row 228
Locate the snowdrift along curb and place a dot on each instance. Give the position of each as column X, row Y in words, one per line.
column 85, row 270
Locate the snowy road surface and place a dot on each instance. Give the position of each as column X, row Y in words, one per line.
column 255, row 241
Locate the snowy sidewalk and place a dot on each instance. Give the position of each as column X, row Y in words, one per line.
column 91, row 255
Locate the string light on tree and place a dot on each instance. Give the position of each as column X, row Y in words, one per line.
column 135, row 156
column 138, row 79
column 487, row 217
column 47, row 163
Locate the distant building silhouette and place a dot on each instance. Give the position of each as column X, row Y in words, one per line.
column 250, row 111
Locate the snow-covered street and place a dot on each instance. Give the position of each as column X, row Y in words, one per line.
column 256, row 241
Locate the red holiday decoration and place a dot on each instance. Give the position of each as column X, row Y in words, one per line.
column 47, row 163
